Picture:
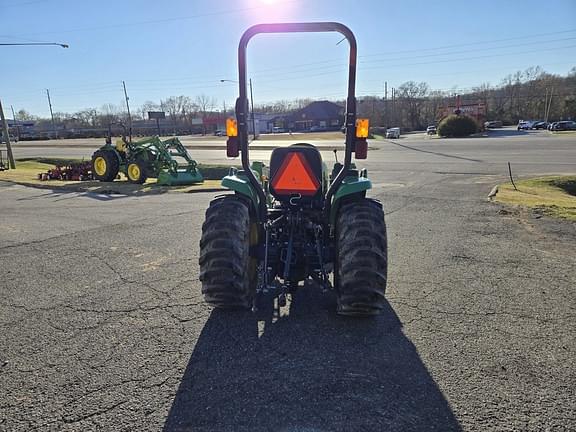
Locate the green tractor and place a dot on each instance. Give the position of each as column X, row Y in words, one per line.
column 149, row 157
column 294, row 221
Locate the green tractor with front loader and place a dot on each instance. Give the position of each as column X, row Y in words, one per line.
column 146, row 158
column 294, row 221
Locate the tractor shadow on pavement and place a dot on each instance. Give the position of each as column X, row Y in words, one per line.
column 433, row 152
column 310, row 370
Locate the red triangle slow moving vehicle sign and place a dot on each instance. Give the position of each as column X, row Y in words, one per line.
column 295, row 177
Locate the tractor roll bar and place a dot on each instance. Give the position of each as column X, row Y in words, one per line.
column 242, row 101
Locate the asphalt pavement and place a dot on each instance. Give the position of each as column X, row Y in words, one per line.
column 104, row 328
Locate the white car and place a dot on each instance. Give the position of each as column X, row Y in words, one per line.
column 393, row 132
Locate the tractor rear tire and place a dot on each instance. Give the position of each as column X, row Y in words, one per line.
column 227, row 272
column 136, row 171
column 105, row 165
column 361, row 258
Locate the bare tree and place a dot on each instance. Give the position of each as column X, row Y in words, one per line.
column 110, row 115
column 25, row 115
column 87, row 117
column 174, row 106
column 205, row 105
column 412, row 95
column 189, row 109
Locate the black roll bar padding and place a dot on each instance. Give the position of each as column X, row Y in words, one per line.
column 242, row 101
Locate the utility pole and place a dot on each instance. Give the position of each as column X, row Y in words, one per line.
column 385, row 104
column 7, row 135
column 129, row 116
column 549, row 104
column 15, row 122
column 393, row 113
column 51, row 114
column 252, row 104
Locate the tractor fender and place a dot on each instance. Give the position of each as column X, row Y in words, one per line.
column 242, row 187
column 350, row 186
column 111, row 148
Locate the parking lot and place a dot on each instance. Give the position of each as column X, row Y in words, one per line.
column 104, row 327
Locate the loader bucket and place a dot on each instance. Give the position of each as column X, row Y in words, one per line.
column 179, row 178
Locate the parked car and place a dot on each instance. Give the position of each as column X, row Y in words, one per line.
column 220, row 133
column 540, row 125
column 393, row 132
column 493, row 124
column 13, row 138
column 318, row 129
column 431, row 130
column 564, row 125
column 551, row 125
column 525, row 124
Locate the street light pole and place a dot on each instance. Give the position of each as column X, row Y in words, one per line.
column 52, row 114
column 129, row 116
column 251, row 104
column 35, row 44
column 7, row 135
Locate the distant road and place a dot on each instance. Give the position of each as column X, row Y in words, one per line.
column 530, row 148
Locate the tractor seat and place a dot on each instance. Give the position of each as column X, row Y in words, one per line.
column 292, row 175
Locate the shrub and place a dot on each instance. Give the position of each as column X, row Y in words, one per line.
column 457, row 126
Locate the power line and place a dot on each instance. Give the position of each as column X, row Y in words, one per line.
column 340, row 67
column 468, row 51
column 473, row 58
column 10, row 5
column 337, row 62
column 471, row 43
column 328, row 69
column 161, row 20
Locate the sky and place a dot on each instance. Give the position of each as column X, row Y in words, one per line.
column 185, row 47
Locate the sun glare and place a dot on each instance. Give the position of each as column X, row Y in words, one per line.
column 272, row 10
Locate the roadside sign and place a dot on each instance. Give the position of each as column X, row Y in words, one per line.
column 158, row 115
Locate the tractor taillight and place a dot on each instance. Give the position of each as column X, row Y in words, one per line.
column 231, row 127
column 361, row 149
column 362, row 128
column 232, row 147
column 295, row 177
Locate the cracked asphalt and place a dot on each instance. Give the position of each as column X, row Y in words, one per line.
column 102, row 325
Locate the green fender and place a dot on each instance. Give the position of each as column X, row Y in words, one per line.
column 109, row 147
column 240, row 184
column 349, row 186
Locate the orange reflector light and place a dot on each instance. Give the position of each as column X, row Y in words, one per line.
column 295, row 177
column 362, row 128
column 231, row 127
